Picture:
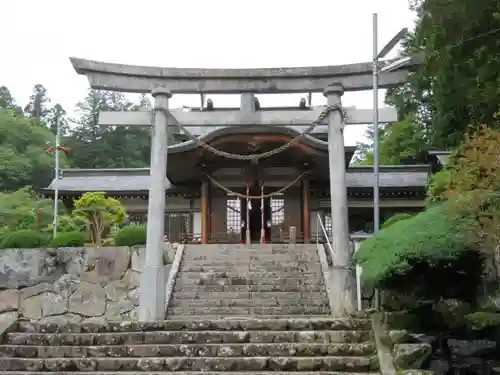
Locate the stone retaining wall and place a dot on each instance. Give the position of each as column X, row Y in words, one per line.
column 72, row 284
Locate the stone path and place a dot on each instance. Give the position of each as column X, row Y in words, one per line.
column 228, row 346
column 249, row 280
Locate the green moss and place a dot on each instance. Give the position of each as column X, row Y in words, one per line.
column 429, row 237
column 481, row 320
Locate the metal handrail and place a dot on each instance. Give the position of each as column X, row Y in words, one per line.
column 329, row 254
column 325, row 234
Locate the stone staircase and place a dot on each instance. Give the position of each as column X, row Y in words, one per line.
column 249, row 280
column 287, row 346
column 236, row 310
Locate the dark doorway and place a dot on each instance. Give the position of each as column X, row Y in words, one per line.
column 255, row 217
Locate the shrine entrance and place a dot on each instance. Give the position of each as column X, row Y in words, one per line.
column 256, row 216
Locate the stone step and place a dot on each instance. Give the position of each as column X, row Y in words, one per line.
column 248, row 288
column 269, row 255
column 188, row 337
column 232, row 273
column 236, row 295
column 299, row 253
column 247, row 324
column 251, row 261
column 276, row 281
column 189, row 350
column 228, row 317
column 191, row 373
column 247, row 302
column 242, row 268
column 253, row 246
column 257, row 310
column 330, row 363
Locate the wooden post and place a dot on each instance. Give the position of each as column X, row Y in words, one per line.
column 305, row 211
column 204, row 212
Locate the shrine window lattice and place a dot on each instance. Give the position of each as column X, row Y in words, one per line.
column 233, row 214
column 277, row 211
column 177, row 224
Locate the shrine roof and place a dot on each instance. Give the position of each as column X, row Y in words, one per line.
column 138, row 180
column 107, row 180
column 391, row 176
column 251, row 130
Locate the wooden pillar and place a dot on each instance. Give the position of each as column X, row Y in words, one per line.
column 306, row 211
column 204, row 212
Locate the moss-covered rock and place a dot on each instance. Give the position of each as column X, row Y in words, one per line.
column 481, row 320
column 410, row 356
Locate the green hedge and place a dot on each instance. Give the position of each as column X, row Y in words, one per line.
column 131, row 235
column 3, row 233
column 69, row 239
column 24, row 239
column 429, row 237
column 395, row 218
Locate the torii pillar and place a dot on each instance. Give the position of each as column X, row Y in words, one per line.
column 152, row 282
column 342, row 286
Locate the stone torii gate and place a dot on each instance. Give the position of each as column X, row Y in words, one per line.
column 162, row 83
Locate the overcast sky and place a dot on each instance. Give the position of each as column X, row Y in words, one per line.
column 189, row 33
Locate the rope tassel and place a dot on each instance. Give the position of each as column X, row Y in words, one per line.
column 262, row 223
column 248, row 196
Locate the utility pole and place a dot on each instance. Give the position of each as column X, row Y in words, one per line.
column 376, row 138
column 56, row 173
column 376, row 141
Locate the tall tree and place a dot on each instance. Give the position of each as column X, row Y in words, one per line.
column 8, row 102
column 55, row 114
column 400, row 143
column 37, row 107
column 23, row 154
column 458, row 84
column 94, row 146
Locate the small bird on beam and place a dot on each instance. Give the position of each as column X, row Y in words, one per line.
column 302, row 104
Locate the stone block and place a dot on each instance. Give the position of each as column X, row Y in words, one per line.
column 25, row 267
column 7, row 317
column 410, row 356
column 112, row 262
column 138, row 254
column 88, row 300
column 43, row 305
column 116, row 290
column 9, row 300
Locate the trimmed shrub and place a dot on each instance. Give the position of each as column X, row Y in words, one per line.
column 71, row 223
column 69, row 239
column 3, row 233
column 395, row 218
column 429, row 237
column 131, row 235
column 24, row 239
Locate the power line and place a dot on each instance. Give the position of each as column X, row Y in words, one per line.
column 491, row 32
